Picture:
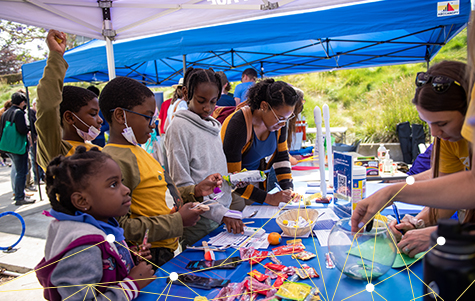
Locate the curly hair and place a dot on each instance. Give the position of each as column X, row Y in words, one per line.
column 122, row 92
column 74, row 98
column 194, row 77
column 275, row 93
column 66, row 175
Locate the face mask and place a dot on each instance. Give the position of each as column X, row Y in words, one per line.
column 128, row 133
column 91, row 134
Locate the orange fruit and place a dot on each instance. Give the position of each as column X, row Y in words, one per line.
column 274, row 238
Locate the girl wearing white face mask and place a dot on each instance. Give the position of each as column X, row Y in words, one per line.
column 78, row 120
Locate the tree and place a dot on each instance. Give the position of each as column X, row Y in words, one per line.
column 14, row 37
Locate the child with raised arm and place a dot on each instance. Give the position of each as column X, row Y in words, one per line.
column 129, row 108
column 66, row 116
column 194, row 150
column 86, row 193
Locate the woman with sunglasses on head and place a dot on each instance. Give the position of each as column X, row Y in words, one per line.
column 442, row 101
column 246, row 144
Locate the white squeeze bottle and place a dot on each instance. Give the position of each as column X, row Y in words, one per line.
column 381, row 152
column 381, row 155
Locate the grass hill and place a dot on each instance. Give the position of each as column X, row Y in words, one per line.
column 370, row 102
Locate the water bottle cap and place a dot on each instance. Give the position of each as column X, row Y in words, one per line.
column 216, row 190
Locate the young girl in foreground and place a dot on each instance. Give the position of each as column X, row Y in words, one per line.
column 86, row 193
column 194, row 150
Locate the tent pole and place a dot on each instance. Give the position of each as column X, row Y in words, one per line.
column 110, row 58
column 109, row 33
column 184, row 64
column 32, row 144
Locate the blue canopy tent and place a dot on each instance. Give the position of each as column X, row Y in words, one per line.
column 354, row 36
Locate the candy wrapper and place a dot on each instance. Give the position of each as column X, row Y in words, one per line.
column 230, row 292
column 246, row 253
column 280, row 280
column 289, row 249
column 251, row 176
column 274, row 259
column 271, row 274
column 275, row 267
column 256, row 286
column 258, row 256
column 258, row 275
column 294, row 291
column 328, row 261
column 304, row 255
column 306, row 272
column 289, row 270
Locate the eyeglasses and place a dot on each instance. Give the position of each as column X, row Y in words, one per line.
column 281, row 119
column 440, row 84
column 151, row 119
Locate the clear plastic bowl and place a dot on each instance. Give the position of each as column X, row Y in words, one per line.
column 364, row 256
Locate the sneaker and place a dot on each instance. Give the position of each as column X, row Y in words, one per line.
column 31, row 188
column 26, row 201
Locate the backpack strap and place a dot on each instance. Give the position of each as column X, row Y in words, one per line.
column 246, row 111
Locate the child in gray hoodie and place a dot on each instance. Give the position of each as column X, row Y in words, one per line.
column 194, row 150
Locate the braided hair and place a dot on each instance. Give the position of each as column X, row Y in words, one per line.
column 122, row 92
column 275, row 93
column 195, row 76
column 66, row 175
column 74, row 98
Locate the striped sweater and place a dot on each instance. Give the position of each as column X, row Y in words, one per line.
column 235, row 145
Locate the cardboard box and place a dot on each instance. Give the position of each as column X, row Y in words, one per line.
column 372, row 165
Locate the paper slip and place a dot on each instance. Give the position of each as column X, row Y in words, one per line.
column 326, row 224
column 257, row 242
column 322, row 236
column 302, row 205
column 227, row 239
column 266, row 212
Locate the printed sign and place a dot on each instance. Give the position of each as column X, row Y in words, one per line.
column 448, row 8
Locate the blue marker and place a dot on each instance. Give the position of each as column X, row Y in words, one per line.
column 396, row 212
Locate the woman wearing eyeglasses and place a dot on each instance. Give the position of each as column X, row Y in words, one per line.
column 248, row 141
column 441, row 101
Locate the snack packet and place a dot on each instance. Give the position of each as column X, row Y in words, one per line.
column 306, row 272
column 246, row 253
column 274, row 259
column 280, row 280
column 275, row 267
column 258, row 275
column 256, row 286
column 271, row 274
column 230, row 292
column 294, row 291
column 258, row 256
column 289, row 249
column 304, row 255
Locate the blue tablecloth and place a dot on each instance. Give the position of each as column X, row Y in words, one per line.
column 394, row 285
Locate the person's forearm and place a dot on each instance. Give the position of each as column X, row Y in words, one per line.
column 439, row 192
column 425, row 175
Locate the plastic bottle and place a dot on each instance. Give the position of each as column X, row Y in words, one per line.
column 449, row 269
column 381, row 152
column 381, row 155
column 387, row 164
column 359, row 186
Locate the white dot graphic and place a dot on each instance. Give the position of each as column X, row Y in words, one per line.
column 173, row 276
column 441, row 240
column 369, row 287
column 110, row 238
column 410, row 180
